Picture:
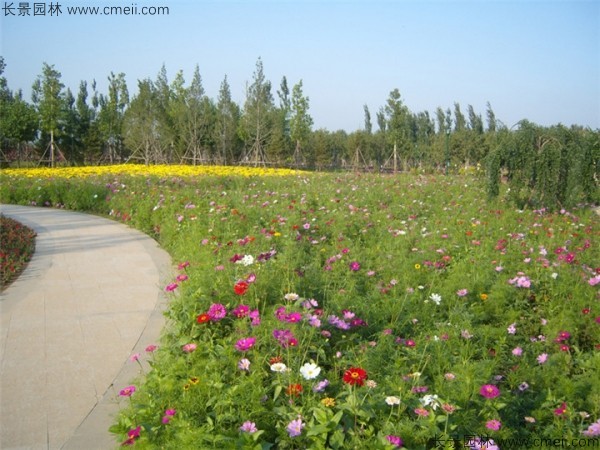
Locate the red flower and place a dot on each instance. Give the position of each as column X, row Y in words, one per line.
column 561, row 410
column 355, row 376
column 294, row 390
column 203, row 318
column 240, row 287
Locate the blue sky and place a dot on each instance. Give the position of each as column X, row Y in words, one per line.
column 535, row 60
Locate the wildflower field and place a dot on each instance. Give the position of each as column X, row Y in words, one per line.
column 353, row 311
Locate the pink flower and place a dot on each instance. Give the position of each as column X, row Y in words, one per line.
column 354, row 266
column 134, row 357
column 171, row 287
column 245, row 344
column 182, row 277
column 489, row 391
column 421, row 412
column 493, row 425
column 127, row 392
column 462, row 292
column 541, row 359
column 189, row 348
column 151, row 348
column 594, row 280
column 512, row 329
column 517, row 351
column 248, row 427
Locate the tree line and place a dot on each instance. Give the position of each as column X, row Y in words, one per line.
column 177, row 122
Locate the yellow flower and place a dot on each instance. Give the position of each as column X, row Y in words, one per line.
column 483, row 296
column 328, row 401
column 417, row 266
column 194, row 380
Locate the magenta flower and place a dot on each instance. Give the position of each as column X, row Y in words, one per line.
column 489, row 391
column 561, row 410
column 216, row 312
column 241, row 311
column 493, row 425
column 171, row 287
column 151, row 348
column 295, row 427
column 127, row 392
column 354, row 266
column 182, row 277
column 245, row 344
column 169, row 413
column 395, row 440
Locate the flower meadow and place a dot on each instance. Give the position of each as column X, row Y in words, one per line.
column 352, row 311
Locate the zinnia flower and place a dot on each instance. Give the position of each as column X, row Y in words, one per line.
column 127, row 392
column 294, row 428
column 392, row 400
column 245, row 344
column 189, row 348
column 203, row 318
column 561, row 410
column 493, row 425
column 489, row 391
column 395, row 440
column 355, row 376
column 240, row 287
column 216, row 312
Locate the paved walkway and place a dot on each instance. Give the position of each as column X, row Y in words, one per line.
column 90, row 298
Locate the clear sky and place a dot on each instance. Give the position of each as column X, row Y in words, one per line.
column 535, row 60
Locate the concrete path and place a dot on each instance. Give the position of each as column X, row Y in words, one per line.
column 90, row 298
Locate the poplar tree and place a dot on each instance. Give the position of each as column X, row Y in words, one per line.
column 48, row 97
column 227, row 121
column 301, row 122
column 257, row 121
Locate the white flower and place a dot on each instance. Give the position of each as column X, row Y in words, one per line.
column 432, row 400
column 554, row 275
column 291, row 297
column 436, row 298
column 310, row 371
column 392, row 400
column 279, row 367
column 247, row 260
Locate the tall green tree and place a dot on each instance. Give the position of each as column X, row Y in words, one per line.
column 258, row 118
column 49, row 100
column 18, row 120
column 142, row 127
column 228, row 142
column 300, row 122
column 111, row 116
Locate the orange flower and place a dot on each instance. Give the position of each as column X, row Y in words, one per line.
column 294, row 390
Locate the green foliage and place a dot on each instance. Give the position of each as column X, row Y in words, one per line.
column 546, row 167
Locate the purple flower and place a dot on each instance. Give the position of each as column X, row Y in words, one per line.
column 245, row 344
column 294, row 428
column 321, row 385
